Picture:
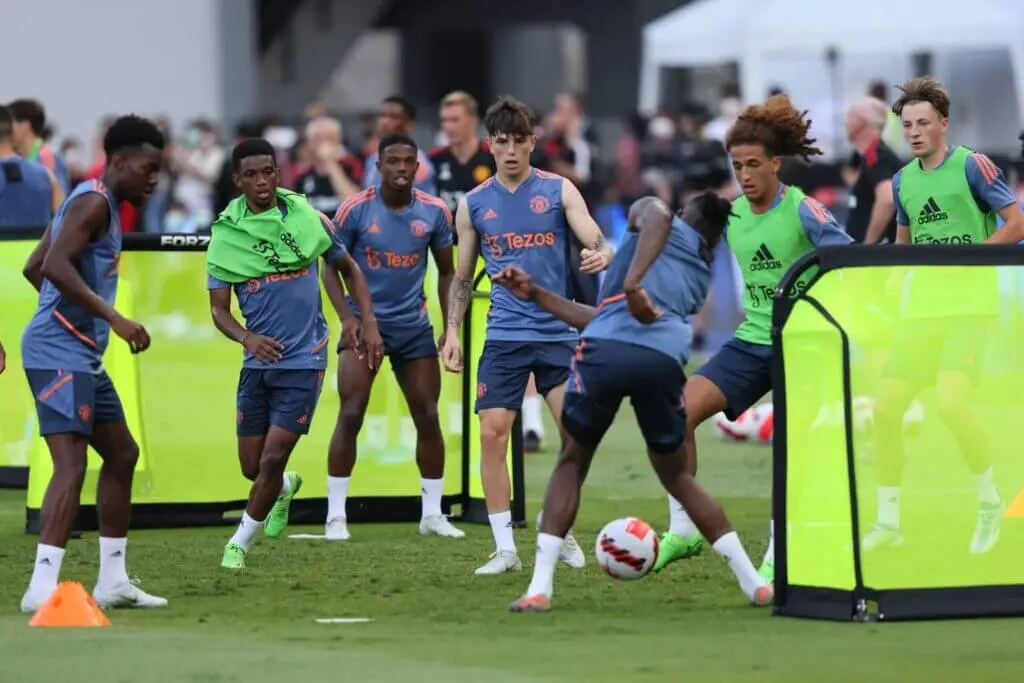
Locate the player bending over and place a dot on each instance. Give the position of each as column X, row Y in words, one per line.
column 75, row 268
column 519, row 217
column 635, row 345
column 390, row 229
column 772, row 226
column 946, row 195
column 265, row 247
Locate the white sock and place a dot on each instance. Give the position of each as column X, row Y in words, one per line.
column 769, row 555
column 736, row 557
column 680, row 522
column 533, row 421
column 501, row 527
column 286, row 486
column 247, row 529
column 543, row 581
column 112, row 558
column 987, row 491
column 46, row 572
column 889, row 506
column 432, row 490
column 337, row 495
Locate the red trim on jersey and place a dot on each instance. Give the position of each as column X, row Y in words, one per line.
column 352, row 202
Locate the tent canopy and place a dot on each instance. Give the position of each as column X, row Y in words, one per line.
column 788, row 29
column 706, row 32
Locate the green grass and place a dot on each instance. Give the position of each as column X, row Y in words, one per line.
column 435, row 621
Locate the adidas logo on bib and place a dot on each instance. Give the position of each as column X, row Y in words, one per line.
column 764, row 260
column 931, row 212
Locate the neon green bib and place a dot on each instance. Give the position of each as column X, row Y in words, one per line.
column 940, row 206
column 766, row 245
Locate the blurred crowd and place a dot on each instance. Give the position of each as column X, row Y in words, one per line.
column 675, row 153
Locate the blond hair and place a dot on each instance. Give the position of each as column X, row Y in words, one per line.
column 461, row 98
column 872, row 110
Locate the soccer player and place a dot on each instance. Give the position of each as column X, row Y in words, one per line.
column 62, row 353
column 265, row 247
column 3, row 359
column 397, row 115
column 635, row 345
column 772, row 226
column 465, row 161
column 391, row 229
column 29, row 193
column 521, row 217
column 946, row 195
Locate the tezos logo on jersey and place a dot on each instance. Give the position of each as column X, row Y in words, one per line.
column 931, row 212
column 764, row 260
column 185, row 241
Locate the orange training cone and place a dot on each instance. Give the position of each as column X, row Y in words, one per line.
column 69, row 606
column 1016, row 508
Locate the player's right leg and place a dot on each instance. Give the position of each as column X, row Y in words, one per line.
column 656, row 387
column 284, row 403
column 591, row 402
column 732, row 381
column 355, row 381
column 912, row 363
column 64, row 405
column 502, row 375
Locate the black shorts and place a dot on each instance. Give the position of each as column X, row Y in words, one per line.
column 604, row 372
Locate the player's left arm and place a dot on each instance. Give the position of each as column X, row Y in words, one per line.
column 441, row 240
column 820, row 225
column 3, row 359
column 33, row 270
column 57, row 193
column 596, row 253
column 654, row 225
column 988, row 186
column 329, row 275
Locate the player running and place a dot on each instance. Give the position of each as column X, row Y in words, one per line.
column 76, row 269
column 519, row 217
column 391, row 229
column 772, row 226
column 635, row 345
column 946, row 195
column 265, row 247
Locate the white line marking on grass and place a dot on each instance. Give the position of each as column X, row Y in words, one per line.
column 344, row 620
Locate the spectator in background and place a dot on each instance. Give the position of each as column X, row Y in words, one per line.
column 197, row 163
column 397, row 115
column 569, row 146
column 892, row 132
column 224, row 189
column 332, row 174
column 73, row 153
column 284, row 139
column 157, row 206
column 30, row 193
column 628, row 181
column 872, row 218
column 729, row 107
column 705, row 163
column 464, row 161
column 28, row 136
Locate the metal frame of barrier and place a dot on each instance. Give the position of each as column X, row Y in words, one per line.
column 864, row 603
column 304, row 511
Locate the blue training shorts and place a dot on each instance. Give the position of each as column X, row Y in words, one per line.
column 72, row 401
column 283, row 398
column 742, row 372
column 606, row 371
column 505, row 368
column 404, row 342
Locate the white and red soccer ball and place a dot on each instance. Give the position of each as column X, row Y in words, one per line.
column 626, row 548
column 756, row 425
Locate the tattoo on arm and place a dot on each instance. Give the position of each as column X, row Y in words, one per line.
column 458, row 300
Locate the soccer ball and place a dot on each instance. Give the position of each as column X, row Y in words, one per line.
column 626, row 549
column 764, row 423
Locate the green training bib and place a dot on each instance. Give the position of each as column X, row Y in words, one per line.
column 940, row 206
column 766, row 245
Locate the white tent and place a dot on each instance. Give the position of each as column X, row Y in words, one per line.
column 783, row 30
column 707, row 32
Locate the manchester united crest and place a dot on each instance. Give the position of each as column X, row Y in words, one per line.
column 418, row 228
column 539, row 203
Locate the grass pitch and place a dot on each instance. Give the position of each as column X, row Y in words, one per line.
column 434, row 621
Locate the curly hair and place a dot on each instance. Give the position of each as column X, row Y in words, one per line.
column 923, row 89
column 776, row 125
